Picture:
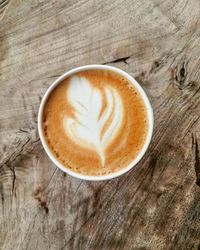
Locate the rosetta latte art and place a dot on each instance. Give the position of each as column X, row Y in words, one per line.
column 98, row 115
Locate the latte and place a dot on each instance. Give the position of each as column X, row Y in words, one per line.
column 95, row 122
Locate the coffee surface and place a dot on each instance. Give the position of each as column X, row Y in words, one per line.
column 95, row 122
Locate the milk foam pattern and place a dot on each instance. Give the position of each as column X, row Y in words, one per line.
column 93, row 127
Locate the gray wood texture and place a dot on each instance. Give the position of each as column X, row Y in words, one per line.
column 154, row 206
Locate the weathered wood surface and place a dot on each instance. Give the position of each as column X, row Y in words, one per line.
column 156, row 205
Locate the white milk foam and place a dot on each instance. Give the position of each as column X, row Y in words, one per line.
column 91, row 127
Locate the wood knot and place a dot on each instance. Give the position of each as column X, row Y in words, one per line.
column 155, row 67
column 180, row 75
column 121, row 59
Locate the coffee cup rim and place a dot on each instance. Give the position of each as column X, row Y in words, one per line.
column 135, row 161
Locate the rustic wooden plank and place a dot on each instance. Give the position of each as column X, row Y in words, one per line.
column 156, row 205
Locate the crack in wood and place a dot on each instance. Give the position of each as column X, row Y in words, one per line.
column 37, row 140
column 24, row 131
column 2, row 197
column 122, row 59
column 14, row 181
column 12, row 169
column 19, row 153
column 197, row 159
column 10, row 161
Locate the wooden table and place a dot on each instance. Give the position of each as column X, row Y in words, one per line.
column 154, row 206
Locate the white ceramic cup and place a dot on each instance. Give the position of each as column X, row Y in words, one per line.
column 149, row 113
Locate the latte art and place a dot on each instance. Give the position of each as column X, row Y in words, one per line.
column 93, row 126
column 95, row 122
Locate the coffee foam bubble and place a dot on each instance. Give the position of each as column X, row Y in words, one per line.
column 92, row 126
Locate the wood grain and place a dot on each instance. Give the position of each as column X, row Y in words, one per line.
column 154, row 206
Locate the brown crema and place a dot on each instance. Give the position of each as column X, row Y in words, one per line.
column 127, row 136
